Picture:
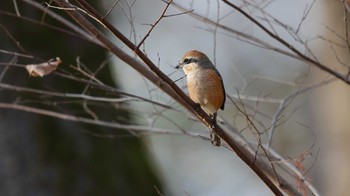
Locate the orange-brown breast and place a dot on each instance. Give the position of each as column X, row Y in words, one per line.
column 205, row 87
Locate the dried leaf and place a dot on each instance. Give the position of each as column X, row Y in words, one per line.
column 43, row 69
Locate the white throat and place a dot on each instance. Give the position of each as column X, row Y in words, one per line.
column 188, row 68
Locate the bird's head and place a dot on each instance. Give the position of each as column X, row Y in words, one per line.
column 194, row 60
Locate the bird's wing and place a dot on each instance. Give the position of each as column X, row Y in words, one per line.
column 215, row 75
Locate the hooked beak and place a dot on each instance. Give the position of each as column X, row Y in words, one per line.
column 180, row 65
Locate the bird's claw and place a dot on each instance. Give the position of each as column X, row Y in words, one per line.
column 215, row 139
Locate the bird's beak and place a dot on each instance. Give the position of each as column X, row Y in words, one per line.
column 180, row 65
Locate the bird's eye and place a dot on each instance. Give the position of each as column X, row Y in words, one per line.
column 187, row 61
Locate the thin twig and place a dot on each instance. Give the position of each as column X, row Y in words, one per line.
column 294, row 169
column 74, row 8
column 4, row 70
column 305, row 14
column 110, row 9
column 240, row 35
column 62, row 20
column 346, row 29
column 290, row 46
column 155, row 23
column 259, row 142
column 287, row 100
column 138, row 128
column 87, row 97
column 161, row 80
column 14, row 40
column 16, row 54
column 15, row 5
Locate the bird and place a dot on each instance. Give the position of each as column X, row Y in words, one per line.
column 205, row 86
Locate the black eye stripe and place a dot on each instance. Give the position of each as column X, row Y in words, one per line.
column 187, row 61
column 190, row 60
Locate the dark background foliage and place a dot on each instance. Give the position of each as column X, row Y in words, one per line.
column 46, row 156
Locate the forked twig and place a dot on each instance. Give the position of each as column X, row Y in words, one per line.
column 168, row 86
column 155, row 23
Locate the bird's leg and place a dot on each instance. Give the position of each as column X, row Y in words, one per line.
column 213, row 119
column 214, row 138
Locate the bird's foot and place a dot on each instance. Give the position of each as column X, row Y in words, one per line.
column 214, row 139
column 213, row 121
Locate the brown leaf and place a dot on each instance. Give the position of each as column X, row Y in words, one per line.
column 43, row 69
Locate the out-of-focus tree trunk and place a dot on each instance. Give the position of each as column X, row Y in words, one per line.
column 47, row 156
column 332, row 108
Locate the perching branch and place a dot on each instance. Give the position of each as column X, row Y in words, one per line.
column 257, row 154
column 158, row 78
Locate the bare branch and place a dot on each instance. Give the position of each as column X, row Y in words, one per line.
column 250, row 140
column 305, row 14
column 346, row 29
column 241, row 36
column 86, row 97
column 110, row 10
column 155, row 23
column 62, row 20
column 62, row 116
column 286, row 101
column 16, row 8
column 169, row 87
column 289, row 46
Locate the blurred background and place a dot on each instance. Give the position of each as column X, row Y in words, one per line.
column 44, row 156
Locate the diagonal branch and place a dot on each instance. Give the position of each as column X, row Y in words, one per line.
column 158, row 78
column 61, row 19
column 155, row 24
